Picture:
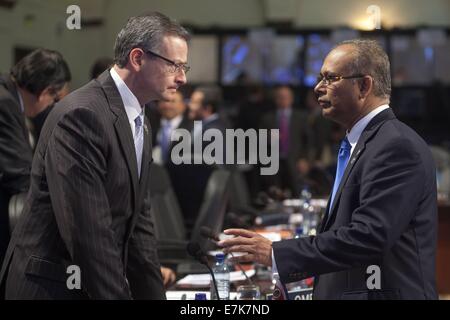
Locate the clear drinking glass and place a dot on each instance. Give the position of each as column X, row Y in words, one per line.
column 248, row 292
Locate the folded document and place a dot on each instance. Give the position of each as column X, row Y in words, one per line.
column 203, row 280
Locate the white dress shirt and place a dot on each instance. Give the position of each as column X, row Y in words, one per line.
column 131, row 103
column 173, row 123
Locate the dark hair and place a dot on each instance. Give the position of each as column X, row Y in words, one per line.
column 100, row 65
column 212, row 97
column 40, row 69
column 371, row 59
column 146, row 32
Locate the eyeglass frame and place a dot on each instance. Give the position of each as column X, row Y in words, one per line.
column 178, row 66
column 336, row 79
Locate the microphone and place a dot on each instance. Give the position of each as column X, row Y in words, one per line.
column 271, row 219
column 194, row 249
column 210, row 234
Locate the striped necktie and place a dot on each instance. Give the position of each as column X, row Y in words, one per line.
column 139, row 140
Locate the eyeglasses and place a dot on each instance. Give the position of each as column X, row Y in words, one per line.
column 173, row 66
column 329, row 79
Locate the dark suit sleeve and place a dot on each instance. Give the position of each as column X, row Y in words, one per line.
column 76, row 169
column 389, row 195
column 144, row 272
column 15, row 151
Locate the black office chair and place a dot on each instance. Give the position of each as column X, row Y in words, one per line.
column 167, row 214
column 214, row 206
column 168, row 221
column 241, row 213
column 169, row 224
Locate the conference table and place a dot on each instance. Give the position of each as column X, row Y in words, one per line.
column 263, row 275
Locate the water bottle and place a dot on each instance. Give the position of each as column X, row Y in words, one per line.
column 299, row 233
column 222, row 275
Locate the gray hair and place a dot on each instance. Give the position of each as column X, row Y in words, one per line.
column 371, row 59
column 146, row 32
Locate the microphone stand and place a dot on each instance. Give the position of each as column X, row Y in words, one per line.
column 242, row 270
column 195, row 251
column 214, row 238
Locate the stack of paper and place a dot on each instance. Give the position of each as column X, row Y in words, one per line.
column 203, row 280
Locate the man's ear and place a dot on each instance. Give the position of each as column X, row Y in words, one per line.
column 135, row 58
column 46, row 97
column 365, row 86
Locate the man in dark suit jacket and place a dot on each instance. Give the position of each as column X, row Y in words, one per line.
column 171, row 115
column 292, row 124
column 86, row 230
column 34, row 83
column 378, row 237
column 203, row 108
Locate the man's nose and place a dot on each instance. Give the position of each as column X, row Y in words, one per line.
column 319, row 89
column 181, row 78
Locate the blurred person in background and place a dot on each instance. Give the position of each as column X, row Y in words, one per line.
column 100, row 65
column 34, row 83
column 292, row 125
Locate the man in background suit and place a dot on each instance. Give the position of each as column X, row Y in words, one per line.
column 172, row 116
column 88, row 204
column 292, row 124
column 203, row 108
column 378, row 237
column 35, row 82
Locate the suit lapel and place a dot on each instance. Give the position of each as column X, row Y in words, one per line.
column 122, row 127
column 366, row 135
column 146, row 154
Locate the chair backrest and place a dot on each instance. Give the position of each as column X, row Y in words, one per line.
column 239, row 194
column 214, row 205
column 16, row 204
column 167, row 216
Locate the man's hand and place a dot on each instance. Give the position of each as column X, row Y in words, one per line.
column 168, row 276
column 258, row 248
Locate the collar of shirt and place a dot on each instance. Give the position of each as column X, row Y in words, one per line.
column 211, row 118
column 130, row 102
column 287, row 112
column 174, row 123
column 358, row 128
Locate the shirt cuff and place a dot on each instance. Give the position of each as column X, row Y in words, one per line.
column 274, row 264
